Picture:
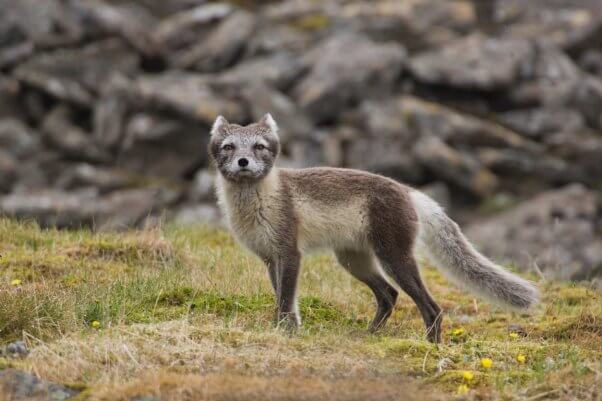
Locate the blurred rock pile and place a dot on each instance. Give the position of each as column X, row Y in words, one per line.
column 105, row 107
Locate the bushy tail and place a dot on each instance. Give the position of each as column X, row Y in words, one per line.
column 451, row 252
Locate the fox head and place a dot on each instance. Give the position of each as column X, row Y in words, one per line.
column 244, row 154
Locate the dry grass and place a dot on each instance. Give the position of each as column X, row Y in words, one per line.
column 186, row 314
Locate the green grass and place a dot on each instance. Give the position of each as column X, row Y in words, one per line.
column 188, row 300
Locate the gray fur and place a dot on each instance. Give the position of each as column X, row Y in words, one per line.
column 464, row 265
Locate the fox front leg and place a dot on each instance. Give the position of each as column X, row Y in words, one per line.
column 286, row 293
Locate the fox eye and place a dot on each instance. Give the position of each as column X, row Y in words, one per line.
column 259, row 146
column 228, row 147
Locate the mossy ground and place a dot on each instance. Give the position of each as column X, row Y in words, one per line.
column 180, row 301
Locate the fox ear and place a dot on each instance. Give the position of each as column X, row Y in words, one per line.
column 219, row 123
column 268, row 121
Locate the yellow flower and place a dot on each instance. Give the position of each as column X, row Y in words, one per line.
column 486, row 363
column 467, row 375
column 513, row 335
column 520, row 358
column 16, row 282
column 463, row 389
column 96, row 324
column 458, row 332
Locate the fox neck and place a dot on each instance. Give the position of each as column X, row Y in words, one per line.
column 245, row 199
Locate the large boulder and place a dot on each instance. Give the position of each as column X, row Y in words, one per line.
column 346, row 68
column 573, row 27
column 77, row 75
column 156, row 145
column 29, row 24
column 68, row 138
column 476, row 62
column 127, row 20
column 514, row 165
column 548, row 78
column 222, row 47
column 555, row 232
column 417, row 24
column 459, row 129
column 294, row 124
column 188, row 27
column 382, row 142
column 280, row 70
column 86, row 207
column 455, row 167
column 540, row 122
column 187, row 95
column 104, row 179
column 17, row 138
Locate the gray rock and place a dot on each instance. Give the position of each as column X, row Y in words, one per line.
column 582, row 149
column 418, row 24
column 69, row 138
column 10, row 98
column 476, row 62
column 454, row 167
column 104, row 179
column 130, row 207
column 571, row 27
column 18, row 139
column 587, row 97
column 188, row 95
column 28, row 24
column 202, row 188
column 14, row 44
column 188, row 27
column 591, row 62
column 519, row 164
column 271, row 39
column 293, row 123
column 76, row 75
column 38, row 171
column 537, row 123
column 555, row 231
column 222, row 47
column 17, row 349
column 205, row 213
column 346, row 68
column 20, row 385
column 50, row 208
column 279, row 71
column 110, row 112
column 117, row 210
column 431, row 119
column 548, row 78
column 382, row 141
column 159, row 146
column 8, row 171
column 127, row 20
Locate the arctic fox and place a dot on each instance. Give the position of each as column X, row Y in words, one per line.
column 372, row 223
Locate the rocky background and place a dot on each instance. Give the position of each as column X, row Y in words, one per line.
column 494, row 108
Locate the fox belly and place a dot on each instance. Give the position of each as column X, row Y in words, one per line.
column 333, row 226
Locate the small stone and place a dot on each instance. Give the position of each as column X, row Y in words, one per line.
column 17, row 349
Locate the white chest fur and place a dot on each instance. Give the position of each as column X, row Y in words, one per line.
column 250, row 211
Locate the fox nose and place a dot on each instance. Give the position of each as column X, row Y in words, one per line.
column 242, row 162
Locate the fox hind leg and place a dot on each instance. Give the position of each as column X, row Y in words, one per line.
column 404, row 270
column 362, row 266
